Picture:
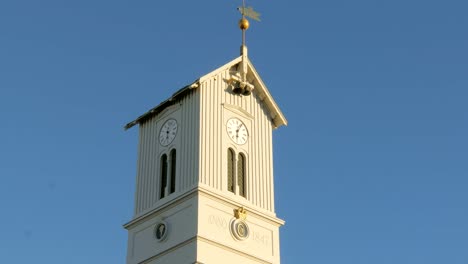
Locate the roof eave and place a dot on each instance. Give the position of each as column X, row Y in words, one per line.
column 157, row 109
column 277, row 116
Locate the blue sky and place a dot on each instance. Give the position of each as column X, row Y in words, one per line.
column 372, row 168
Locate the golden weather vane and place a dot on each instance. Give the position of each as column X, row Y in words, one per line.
column 244, row 23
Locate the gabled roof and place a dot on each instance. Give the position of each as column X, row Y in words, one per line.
column 261, row 89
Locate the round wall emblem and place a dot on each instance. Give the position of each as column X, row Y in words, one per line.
column 161, row 230
column 240, row 229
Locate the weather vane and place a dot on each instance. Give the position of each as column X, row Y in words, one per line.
column 244, row 23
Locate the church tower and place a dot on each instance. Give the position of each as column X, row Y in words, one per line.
column 204, row 185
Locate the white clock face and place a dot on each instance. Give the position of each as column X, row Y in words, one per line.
column 237, row 131
column 168, row 132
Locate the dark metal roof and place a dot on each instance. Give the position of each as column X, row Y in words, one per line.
column 159, row 108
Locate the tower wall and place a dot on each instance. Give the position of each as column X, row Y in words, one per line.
column 218, row 104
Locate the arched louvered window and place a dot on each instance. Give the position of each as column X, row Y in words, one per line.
column 173, row 171
column 230, row 169
column 241, row 174
column 163, row 176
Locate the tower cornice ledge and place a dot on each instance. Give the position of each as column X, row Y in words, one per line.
column 252, row 210
column 207, row 192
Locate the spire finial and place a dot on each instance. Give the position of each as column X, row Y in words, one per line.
column 244, row 24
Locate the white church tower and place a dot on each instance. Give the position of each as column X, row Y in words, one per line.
column 204, row 190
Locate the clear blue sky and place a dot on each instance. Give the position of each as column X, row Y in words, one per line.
column 373, row 167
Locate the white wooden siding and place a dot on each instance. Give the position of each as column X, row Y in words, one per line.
column 214, row 141
column 187, row 112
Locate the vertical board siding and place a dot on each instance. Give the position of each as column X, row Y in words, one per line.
column 271, row 179
column 144, row 168
column 193, row 168
column 138, row 171
column 211, row 129
column 213, row 171
column 257, row 170
column 148, row 165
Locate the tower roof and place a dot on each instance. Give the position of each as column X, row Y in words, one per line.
column 276, row 115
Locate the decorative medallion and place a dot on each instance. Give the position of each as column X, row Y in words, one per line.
column 239, row 229
column 161, row 230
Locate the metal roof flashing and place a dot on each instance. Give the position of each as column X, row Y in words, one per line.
column 160, row 107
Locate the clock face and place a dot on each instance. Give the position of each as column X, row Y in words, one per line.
column 237, row 131
column 168, row 132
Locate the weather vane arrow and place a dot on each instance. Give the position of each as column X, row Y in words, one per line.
column 249, row 12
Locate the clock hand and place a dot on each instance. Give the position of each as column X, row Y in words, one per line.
column 237, row 130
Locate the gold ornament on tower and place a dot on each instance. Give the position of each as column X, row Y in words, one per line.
column 240, row 213
column 244, row 24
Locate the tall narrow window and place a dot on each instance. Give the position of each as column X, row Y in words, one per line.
column 230, row 170
column 173, row 171
column 163, row 176
column 241, row 174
